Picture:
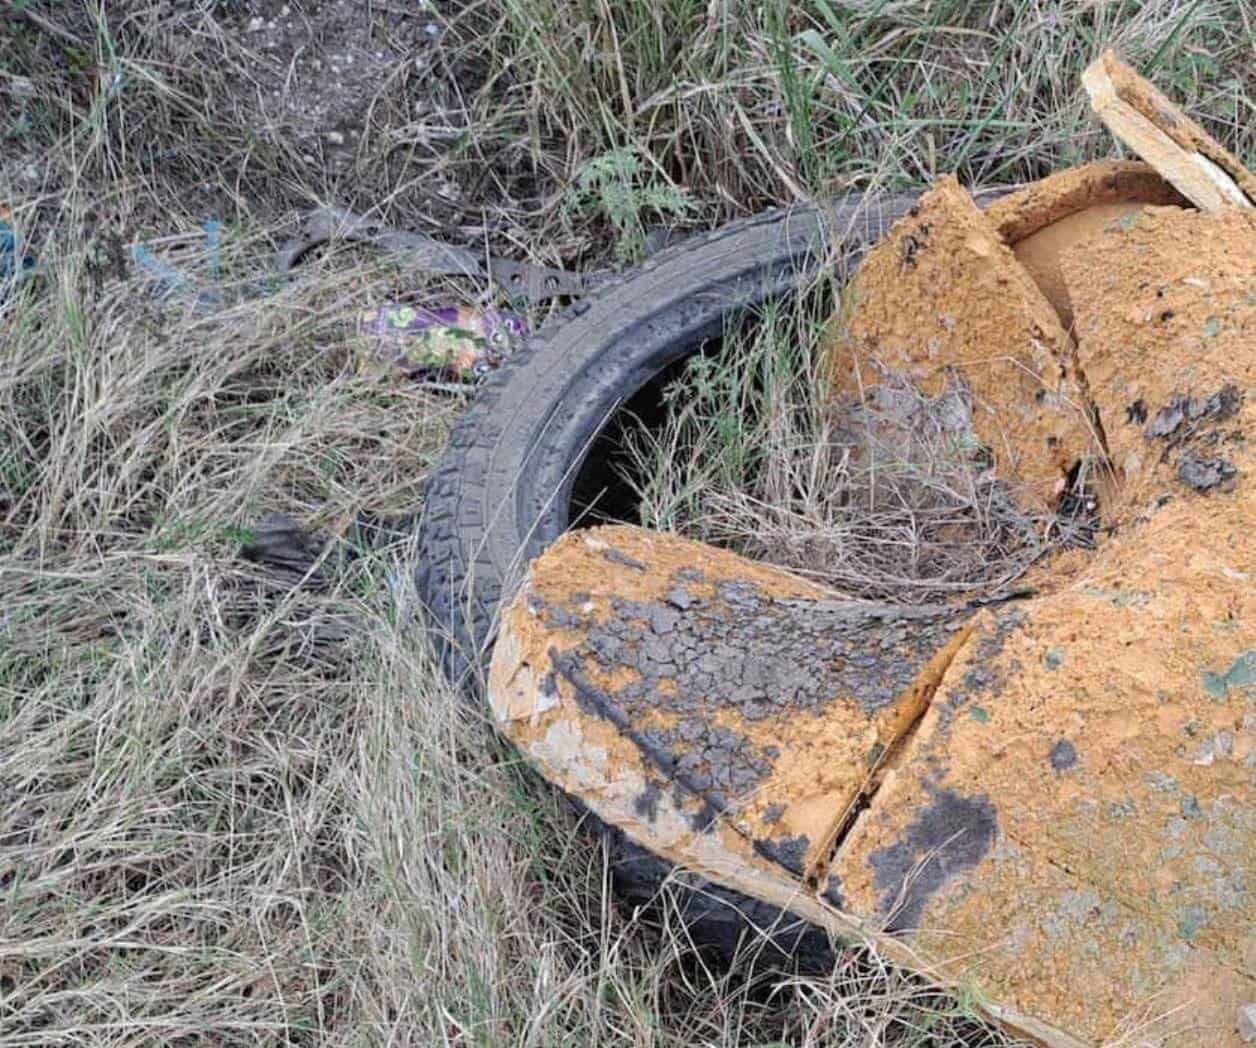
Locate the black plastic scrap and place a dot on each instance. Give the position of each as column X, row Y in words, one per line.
column 522, row 281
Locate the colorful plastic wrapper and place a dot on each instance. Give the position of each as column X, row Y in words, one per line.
column 444, row 343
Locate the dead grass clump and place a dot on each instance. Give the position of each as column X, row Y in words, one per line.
column 892, row 498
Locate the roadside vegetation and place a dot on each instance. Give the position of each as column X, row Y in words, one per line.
column 239, row 810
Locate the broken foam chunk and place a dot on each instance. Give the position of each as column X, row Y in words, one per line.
column 1077, row 792
column 943, row 298
column 755, row 709
column 1165, row 322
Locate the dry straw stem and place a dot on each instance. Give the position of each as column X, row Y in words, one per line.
column 885, row 500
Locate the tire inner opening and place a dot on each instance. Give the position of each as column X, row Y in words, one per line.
column 606, row 486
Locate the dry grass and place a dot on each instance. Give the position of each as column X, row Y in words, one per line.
column 235, row 812
column 225, row 820
column 891, row 499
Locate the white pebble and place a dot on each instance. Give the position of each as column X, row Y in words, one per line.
column 1247, row 1022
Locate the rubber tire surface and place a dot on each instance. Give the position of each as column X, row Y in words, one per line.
column 500, row 494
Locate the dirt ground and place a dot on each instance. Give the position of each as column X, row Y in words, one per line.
column 278, row 107
column 328, row 81
column 319, row 69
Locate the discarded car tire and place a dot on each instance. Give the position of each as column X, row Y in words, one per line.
column 502, row 492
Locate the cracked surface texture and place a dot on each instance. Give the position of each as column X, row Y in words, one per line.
column 756, row 701
column 1119, row 776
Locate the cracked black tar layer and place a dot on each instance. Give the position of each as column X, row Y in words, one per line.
column 741, row 652
column 949, row 837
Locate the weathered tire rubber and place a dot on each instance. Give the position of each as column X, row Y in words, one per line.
column 502, row 491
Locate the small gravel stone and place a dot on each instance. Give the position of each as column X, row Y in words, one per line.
column 1063, row 755
column 679, row 597
column 1247, row 1023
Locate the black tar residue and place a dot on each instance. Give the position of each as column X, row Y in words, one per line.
column 1191, row 425
column 743, row 653
column 647, row 802
column 1063, row 755
column 789, row 852
column 1203, row 474
column 739, row 652
column 949, row 837
column 833, row 892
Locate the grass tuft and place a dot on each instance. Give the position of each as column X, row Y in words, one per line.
column 889, row 500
